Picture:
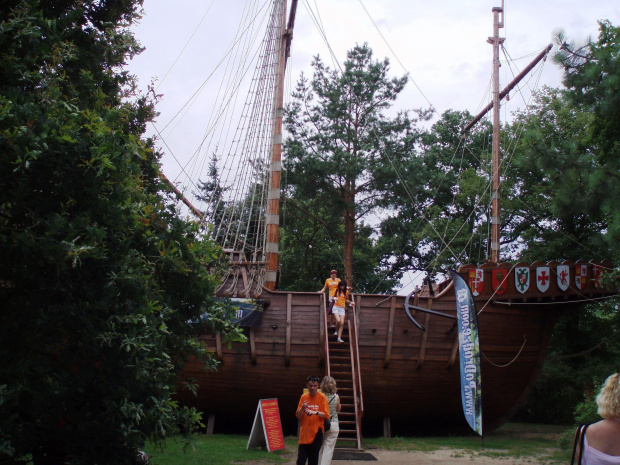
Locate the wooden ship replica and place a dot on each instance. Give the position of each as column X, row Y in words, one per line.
column 398, row 369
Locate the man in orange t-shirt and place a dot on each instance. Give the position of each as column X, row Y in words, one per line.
column 331, row 283
column 312, row 409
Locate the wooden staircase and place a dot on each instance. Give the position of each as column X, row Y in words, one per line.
column 341, row 363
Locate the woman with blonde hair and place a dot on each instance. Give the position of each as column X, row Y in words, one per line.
column 601, row 441
column 328, row 387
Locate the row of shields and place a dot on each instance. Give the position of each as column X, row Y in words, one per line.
column 542, row 278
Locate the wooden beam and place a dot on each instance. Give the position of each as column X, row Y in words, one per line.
column 427, row 319
column 218, row 347
column 390, row 334
column 289, row 305
column 322, row 324
column 210, row 424
column 454, row 351
column 253, row 346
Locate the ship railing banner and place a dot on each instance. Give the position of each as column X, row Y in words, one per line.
column 469, row 353
column 248, row 312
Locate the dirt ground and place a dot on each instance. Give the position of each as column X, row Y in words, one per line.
column 444, row 456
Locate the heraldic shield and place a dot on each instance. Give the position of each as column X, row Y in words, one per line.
column 563, row 276
column 581, row 276
column 499, row 280
column 476, row 280
column 543, row 278
column 522, row 278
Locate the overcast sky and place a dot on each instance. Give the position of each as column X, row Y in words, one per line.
column 441, row 44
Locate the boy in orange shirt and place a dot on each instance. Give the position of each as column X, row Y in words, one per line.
column 312, row 409
column 331, row 283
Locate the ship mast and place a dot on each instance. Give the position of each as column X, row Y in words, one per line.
column 275, row 168
column 496, row 41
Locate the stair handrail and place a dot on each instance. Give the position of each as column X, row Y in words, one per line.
column 325, row 335
column 358, row 396
column 358, row 366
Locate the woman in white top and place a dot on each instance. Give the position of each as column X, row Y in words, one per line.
column 602, row 441
column 328, row 387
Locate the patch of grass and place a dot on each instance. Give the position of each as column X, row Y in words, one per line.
column 220, row 449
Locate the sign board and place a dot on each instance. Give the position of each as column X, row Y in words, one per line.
column 267, row 428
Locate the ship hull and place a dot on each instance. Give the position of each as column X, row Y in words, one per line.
column 408, row 376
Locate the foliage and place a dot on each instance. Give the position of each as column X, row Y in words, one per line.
column 554, row 160
column 342, row 145
column 570, row 138
column 99, row 277
column 447, row 223
column 311, row 246
column 592, row 80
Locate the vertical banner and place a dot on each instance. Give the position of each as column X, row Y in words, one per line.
column 469, row 353
column 267, row 428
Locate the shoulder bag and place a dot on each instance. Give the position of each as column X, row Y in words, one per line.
column 327, row 423
column 580, row 435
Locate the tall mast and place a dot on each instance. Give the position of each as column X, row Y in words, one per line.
column 275, row 168
column 496, row 41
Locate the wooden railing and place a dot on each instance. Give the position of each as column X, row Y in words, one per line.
column 324, row 336
column 358, row 394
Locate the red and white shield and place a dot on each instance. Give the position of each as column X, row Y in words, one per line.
column 522, row 278
column 563, row 276
column 476, row 280
column 597, row 271
column 499, row 280
column 543, row 278
column 581, row 276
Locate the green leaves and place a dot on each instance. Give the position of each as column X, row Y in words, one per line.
column 105, row 276
column 340, row 150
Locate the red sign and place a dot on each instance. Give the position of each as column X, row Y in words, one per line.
column 267, row 422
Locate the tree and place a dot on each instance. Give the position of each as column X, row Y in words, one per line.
column 311, row 245
column 100, row 280
column 554, row 212
column 342, row 145
column 571, row 139
column 592, row 80
column 447, row 223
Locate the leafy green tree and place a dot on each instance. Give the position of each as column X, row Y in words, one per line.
column 592, row 76
column 446, row 224
column 100, row 280
column 570, row 138
column 342, row 144
column 311, row 246
column 558, row 215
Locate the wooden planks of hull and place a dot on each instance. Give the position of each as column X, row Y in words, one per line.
column 408, row 375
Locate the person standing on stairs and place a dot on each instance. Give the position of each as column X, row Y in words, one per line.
column 312, row 410
column 328, row 387
column 339, row 310
column 331, row 283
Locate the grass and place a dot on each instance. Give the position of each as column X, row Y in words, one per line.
column 534, row 443
column 219, row 449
